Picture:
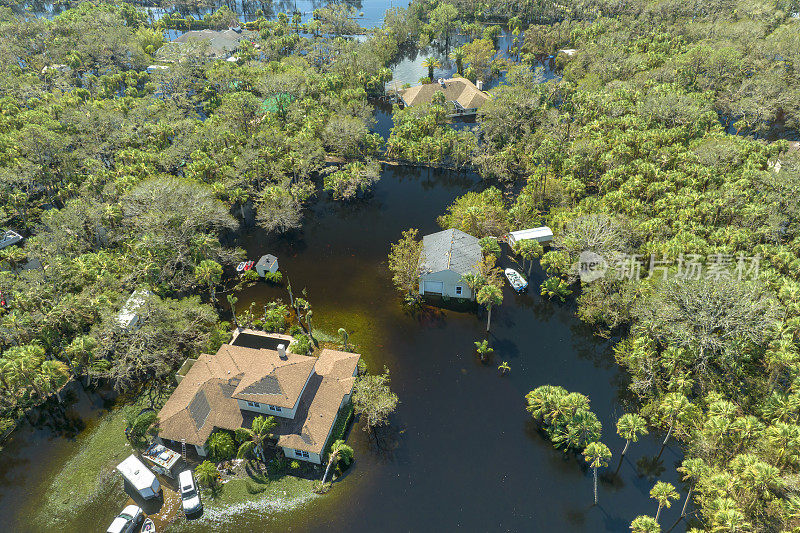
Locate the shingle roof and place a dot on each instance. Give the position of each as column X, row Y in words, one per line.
column 450, row 249
column 206, row 397
column 332, row 380
column 460, row 90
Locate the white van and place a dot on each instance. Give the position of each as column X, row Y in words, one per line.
column 138, row 475
column 189, row 494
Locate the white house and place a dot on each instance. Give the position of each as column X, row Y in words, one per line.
column 229, row 389
column 446, row 257
column 541, row 235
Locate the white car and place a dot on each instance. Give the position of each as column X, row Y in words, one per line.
column 189, row 494
column 127, row 520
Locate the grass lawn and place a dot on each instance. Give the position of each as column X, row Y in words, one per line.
column 87, row 480
column 241, row 496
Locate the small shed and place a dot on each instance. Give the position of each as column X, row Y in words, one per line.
column 9, row 237
column 138, row 475
column 267, row 263
column 541, row 235
column 129, row 315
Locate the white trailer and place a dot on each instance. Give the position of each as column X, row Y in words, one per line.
column 137, row 474
column 129, row 316
column 541, row 235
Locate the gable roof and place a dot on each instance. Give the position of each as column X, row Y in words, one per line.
column 450, row 249
column 206, row 398
column 333, row 379
column 459, row 90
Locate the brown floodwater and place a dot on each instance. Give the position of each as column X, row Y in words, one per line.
column 461, row 451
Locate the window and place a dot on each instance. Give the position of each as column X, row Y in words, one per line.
column 300, row 453
column 253, row 404
column 275, row 408
column 458, row 290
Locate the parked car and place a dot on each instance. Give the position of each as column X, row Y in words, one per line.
column 189, row 494
column 127, row 520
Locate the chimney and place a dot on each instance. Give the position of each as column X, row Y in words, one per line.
column 479, row 85
column 282, row 351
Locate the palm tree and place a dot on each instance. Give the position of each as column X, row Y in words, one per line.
column 458, row 56
column 207, row 474
column 692, row 470
column 504, row 368
column 209, row 273
column 645, row 524
column 630, row 427
column 664, row 493
column 489, row 295
column 253, row 439
column 431, row 63
column 597, row 455
column 339, row 451
column 220, row 446
column 345, row 337
column 483, row 349
column 240, row 197
column 232, row 302
column 674, row 405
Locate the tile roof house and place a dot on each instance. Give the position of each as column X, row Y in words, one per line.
column 229, row 389
column 463, row 96
column 446, row 257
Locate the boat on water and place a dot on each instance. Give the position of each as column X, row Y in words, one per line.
column 516, row 280
column 244, row 266
column 148, row 526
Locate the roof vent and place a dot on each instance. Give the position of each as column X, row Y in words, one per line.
column 282, row 351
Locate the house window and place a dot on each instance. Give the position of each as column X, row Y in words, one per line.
column 253, row 404
column 459, row 290
column 300, row 453
column 275, row 408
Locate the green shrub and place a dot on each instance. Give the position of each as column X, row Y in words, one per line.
column 301, row 345
column 220, row 446
column 274, row 277
column 294, row 465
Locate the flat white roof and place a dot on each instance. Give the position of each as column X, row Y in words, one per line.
column 533, row 233
column 136, row 473
column 131, row 308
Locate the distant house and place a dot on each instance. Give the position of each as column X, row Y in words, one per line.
column 8, row 238
column 129, row 315
column 222, row 44
column 446, row 257
column 541, row 235
column 463, row 96
column 229, row 389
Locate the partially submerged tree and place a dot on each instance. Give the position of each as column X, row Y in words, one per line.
column 373, row 399
column 404, row 262
column 596, row 454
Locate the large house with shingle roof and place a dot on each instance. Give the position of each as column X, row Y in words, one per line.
column 229, row 389
column 462, row 96
column 446, row 257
